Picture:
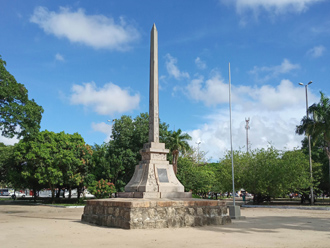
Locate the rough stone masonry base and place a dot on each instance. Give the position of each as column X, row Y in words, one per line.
column 150, row 213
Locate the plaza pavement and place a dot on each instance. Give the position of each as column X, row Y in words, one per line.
column 43, row 226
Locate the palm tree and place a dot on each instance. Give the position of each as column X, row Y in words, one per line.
column 318, row 125
column 177, row 142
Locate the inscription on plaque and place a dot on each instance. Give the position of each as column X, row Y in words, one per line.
column 162, row 175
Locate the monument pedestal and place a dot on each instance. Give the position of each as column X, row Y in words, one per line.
column 154, row 177
column 151, row 213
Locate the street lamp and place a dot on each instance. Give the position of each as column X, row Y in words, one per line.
column 247, row 127
column 309, row 143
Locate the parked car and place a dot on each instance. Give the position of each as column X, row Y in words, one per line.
column 4, row 192
column 17, row 194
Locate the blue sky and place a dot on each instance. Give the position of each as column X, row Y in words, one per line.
column 87, row 62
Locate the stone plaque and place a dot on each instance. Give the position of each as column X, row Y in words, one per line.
column 162, row 175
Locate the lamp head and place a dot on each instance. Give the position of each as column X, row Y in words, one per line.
column 301, row 84
column 310, row 82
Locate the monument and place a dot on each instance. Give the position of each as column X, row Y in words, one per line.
column 154, row 197
column 154, row 177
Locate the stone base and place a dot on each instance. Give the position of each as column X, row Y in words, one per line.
column 154, row 195
column 135, row 213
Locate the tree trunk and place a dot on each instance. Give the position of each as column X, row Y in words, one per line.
column 58, row 192
column 329, row 173
column 328, row 154
column 175, row 161
column 53, row 193
column 78, row 193
column 34, row 194
column 70, row 192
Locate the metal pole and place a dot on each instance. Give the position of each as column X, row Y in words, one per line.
column 231, row 140
column 247, row 133
column 309, row 147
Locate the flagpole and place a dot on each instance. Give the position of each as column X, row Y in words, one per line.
column 231, row 139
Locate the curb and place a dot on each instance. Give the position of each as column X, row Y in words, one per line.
column 288, row 207
column 59, row 206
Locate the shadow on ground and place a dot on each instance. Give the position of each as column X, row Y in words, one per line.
column 272, row 224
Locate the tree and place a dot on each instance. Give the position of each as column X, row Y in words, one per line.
column 127, row 139
column 101, row 164
column 18, row 115
column 198, row 179
column 6, row 154
column 266, row 173
column 35, row 158
column 74, row 158
column 318, row 125
column 52, row 160
column 318, row 156
column 197, row 156
column 177, row 142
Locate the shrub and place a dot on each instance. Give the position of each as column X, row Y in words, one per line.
column 102, row 189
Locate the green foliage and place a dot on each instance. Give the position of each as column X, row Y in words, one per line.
column 18, row 115
column 266, row 172
column 119, row 157
column 102, row 189
column 177, row 143
column 317, row 125
column 198, row 179
column 319, row 157
column 6, row 154
column 52, row 159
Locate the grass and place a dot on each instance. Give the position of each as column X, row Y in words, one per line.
column 45, row 200
column 5, row 199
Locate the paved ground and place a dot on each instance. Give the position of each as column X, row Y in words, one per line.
column 47, row 227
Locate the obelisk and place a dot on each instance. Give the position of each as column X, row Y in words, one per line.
column 154, row 176
column 153, row 91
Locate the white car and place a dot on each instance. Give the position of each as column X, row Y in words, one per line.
column 18, row 194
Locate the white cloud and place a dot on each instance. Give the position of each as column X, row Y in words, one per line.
column 97, row 31
column 278, row 98
column 8, row 141
column 211, row 92
column 272, row 6
column 103, row 128
column 215, row 91
column 265, row 128
column 107, row 100
column 316, row 51
column 265, row 73
column 274, row 113
column 172, row 68
column 59, row 57
column 199, row 63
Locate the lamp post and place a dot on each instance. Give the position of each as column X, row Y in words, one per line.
column 247, row 127
column 309, row 143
